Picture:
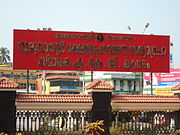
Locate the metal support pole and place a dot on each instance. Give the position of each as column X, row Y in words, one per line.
column 83, row 82
column 91, row 76
column 27, row 81
column 141, row 83
column 151, row 83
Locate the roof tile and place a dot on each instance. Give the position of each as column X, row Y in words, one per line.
column 80, row 98
column 65, row 98
column 145, row 99
column 177, row 87
column 99, row 85
column 6, row 83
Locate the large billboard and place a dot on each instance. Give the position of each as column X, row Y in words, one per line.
column 164, row 79
column 89, row 51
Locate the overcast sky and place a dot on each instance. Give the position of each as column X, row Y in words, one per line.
column 110, row 16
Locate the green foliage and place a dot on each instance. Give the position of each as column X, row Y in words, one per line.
column 4, row 54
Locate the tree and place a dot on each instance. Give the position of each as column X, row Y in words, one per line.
column 4, row 55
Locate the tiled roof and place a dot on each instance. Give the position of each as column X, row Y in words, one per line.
column 62, row 77
column 59, row 98
column 81, row 98
column 99, row 85
column 145, row 99
column 6, row 83
column 177, row 87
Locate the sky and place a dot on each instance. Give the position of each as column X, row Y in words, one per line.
column 109, row 16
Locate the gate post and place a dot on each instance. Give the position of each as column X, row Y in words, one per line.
column 7, row 105
column 177, row 120
column 8, row 111
column 101, row 109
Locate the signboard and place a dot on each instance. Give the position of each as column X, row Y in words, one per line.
column 164, row 91
column 164, row 79
column 89, row 51
column 54, row 89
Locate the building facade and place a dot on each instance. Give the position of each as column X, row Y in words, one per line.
column 22, row 77
column 59, row 82
column 124, row 82
column 69, row 82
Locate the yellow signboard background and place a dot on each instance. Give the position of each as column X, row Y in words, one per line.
column 164, row 91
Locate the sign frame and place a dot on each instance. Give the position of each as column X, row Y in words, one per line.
column 89, row 51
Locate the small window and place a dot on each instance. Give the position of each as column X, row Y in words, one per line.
column 12, row 75
column 16, row 76
column 33, row 86
column 121, row 85
column 1, row 74
column 129, row 85
column 22, row 86
column 22, row 76
column 6, row 75
column 115, row 83
column 135, row 84
column 31, row 76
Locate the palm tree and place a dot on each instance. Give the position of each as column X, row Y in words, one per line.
column 4, row 55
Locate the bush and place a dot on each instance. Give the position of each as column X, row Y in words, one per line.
column 95, row 128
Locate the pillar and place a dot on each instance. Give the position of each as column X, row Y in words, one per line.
column 101, row 109
column 7, row 111
column 177, row 120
